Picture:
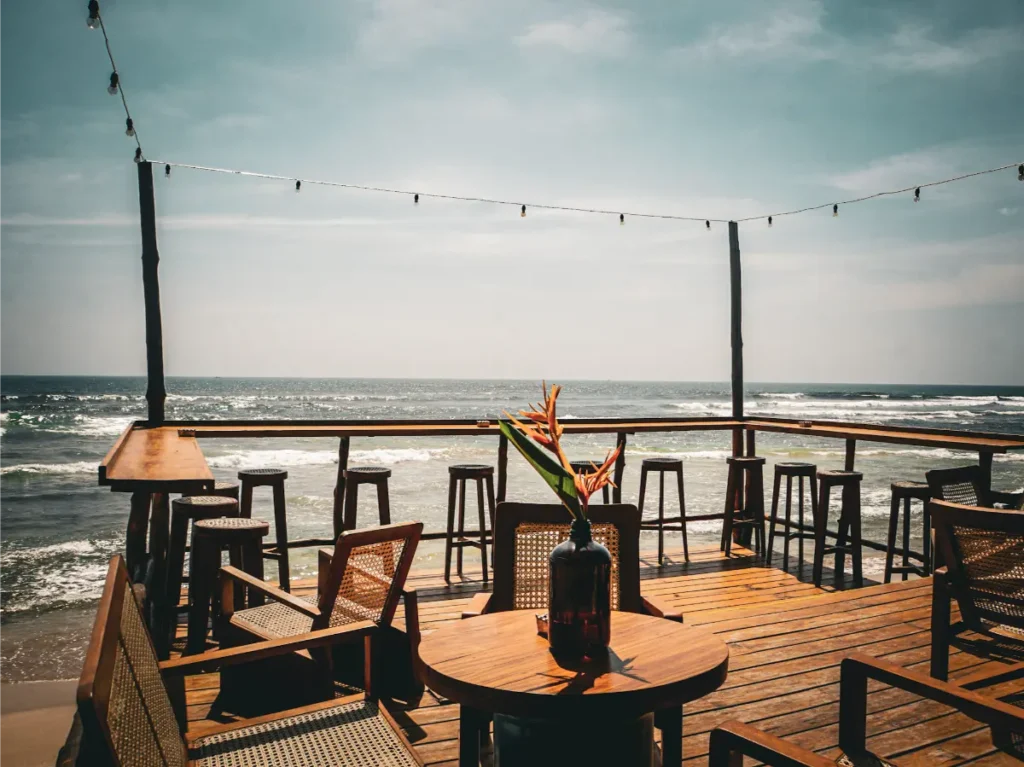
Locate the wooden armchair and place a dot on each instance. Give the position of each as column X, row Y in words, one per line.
column 984, row 554
column 525, row 534
column 967, row 485
column 733, row 740
column 359, row 586
column 131, row 706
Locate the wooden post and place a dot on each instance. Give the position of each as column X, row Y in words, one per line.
column 985, row 462
column 156, row 394
column 339, row 487
column 620, row 467
column 502, row 468
column 736, row 300
column 851, row 454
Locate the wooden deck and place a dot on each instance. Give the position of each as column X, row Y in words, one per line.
column 786, row 639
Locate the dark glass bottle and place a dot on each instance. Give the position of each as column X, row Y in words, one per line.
column 579, row 603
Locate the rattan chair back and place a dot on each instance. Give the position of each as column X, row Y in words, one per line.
column 525, row 534
column 122, row 702
column 961, row 485
column 367, row 574
column 984, row 552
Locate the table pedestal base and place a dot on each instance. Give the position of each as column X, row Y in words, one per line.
column 542, row 742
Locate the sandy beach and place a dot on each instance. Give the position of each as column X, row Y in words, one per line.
column 35, row 718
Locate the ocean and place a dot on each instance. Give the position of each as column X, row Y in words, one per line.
column 58, row 528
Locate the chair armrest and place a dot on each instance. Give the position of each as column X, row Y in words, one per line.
column 1012, row 500
column 657, row 608
column 989, row 678
column 247, row 653
column 229, row 574
column 733, row 740
column 857, row 669
column 479, row 605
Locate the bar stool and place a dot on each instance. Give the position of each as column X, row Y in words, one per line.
column 221, row 489
column 456, row 538
column 902, row 494
column 366, row 475
column 274, row 479
column 849, row 524
column 801, row 471
column 587, row 467
column 752, row 516
column 663, row 466
column 242, row 538
column 185, row 511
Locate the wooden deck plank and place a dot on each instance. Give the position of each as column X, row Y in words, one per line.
column 787, row 640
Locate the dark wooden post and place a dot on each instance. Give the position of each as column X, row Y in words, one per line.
column 155, row 391
column 851, row 454
column 502, row 468
column 339, row 487
column 620, row 467
column 736, row 301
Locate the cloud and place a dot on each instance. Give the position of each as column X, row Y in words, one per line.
column 1008, row 211
column 912, row 49
column 975, row 285
column 400, row 28
column 791, row 30
column 597, row 32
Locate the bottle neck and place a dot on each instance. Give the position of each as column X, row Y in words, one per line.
column 579, row 532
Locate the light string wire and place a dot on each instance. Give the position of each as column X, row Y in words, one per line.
column 578, row 209
column 120, row 83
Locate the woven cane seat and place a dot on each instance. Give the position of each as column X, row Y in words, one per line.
column 534, row 542
column 367, row 473
column 232, row 528
column 840, row 477
column 274, row 620
column 471, row 471
column 226, row 489
column 745, row 460
column 266, row 476
column 662, row 464
column 906, row 489
column 205, row 506
column 347, row 735
column 795, row 469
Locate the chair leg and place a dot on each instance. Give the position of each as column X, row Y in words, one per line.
column 245, row 505
column 203, row 567
column 176, row 562
column 670, row 722
column 940, row 627
column 483, row 525
column 284, row 573
column 252, row 563
column 452, row 492
column 800, row 514
column 813, row 484
column 855, row 538
column 351, row 504
column 820, row 525
column 661, row 518
column 462, row 526
column 606, row 495
column 906, row 537
column 789, row 522
column 643, row 491
column 682, row 516
column 755, row 503
column 730, row 511
column 774, row 516
column 890, row 546
column 927, row 540
column 841, row 541
column 384, row 503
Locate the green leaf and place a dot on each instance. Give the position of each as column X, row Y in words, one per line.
column 552, row 472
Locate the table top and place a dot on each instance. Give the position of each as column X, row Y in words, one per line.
column 497, row 663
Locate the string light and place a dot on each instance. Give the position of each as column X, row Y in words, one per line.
column 835, row 210
column 129, row 129
column 416, row 199
column 167, row 171
column 917, row 195
column 522, row 212
column 769, row 221
column 298, row 185
column 138, row 154
column 708, row 225
column 622, row 219
column 1020, row 173
column 114, row 82
column 94, row 15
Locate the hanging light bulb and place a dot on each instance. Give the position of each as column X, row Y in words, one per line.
column 138, row 154
column 1020, row 173
column 708, row 225
column 917, row 195
column 522, row 212
column 622, row 219
column 416, row 198
column 298, row 185
column 94, row 15
column 835, row 210
column 167, row 171
column 114, row 82
column 769, row 220
column 129, row 129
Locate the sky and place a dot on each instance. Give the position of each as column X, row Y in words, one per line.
column 713, row 110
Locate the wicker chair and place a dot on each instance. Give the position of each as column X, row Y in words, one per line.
column 525, row 534
column 967, row 485
column 733, row 740
column 984, row 552
column 131, row 706
column 360, row 583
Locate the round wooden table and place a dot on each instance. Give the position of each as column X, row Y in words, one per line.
column 497, row 664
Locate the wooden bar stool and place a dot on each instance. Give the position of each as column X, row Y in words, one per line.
column 274, row 479
column 221, row 488
column 242, row 538
column 801, row 471
column 366, row 475
column 184, row 512
column 456, row 538
column 740, row 468
column 663, row 466
column 902, row 494
column 587, row 467
column 849, row 524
